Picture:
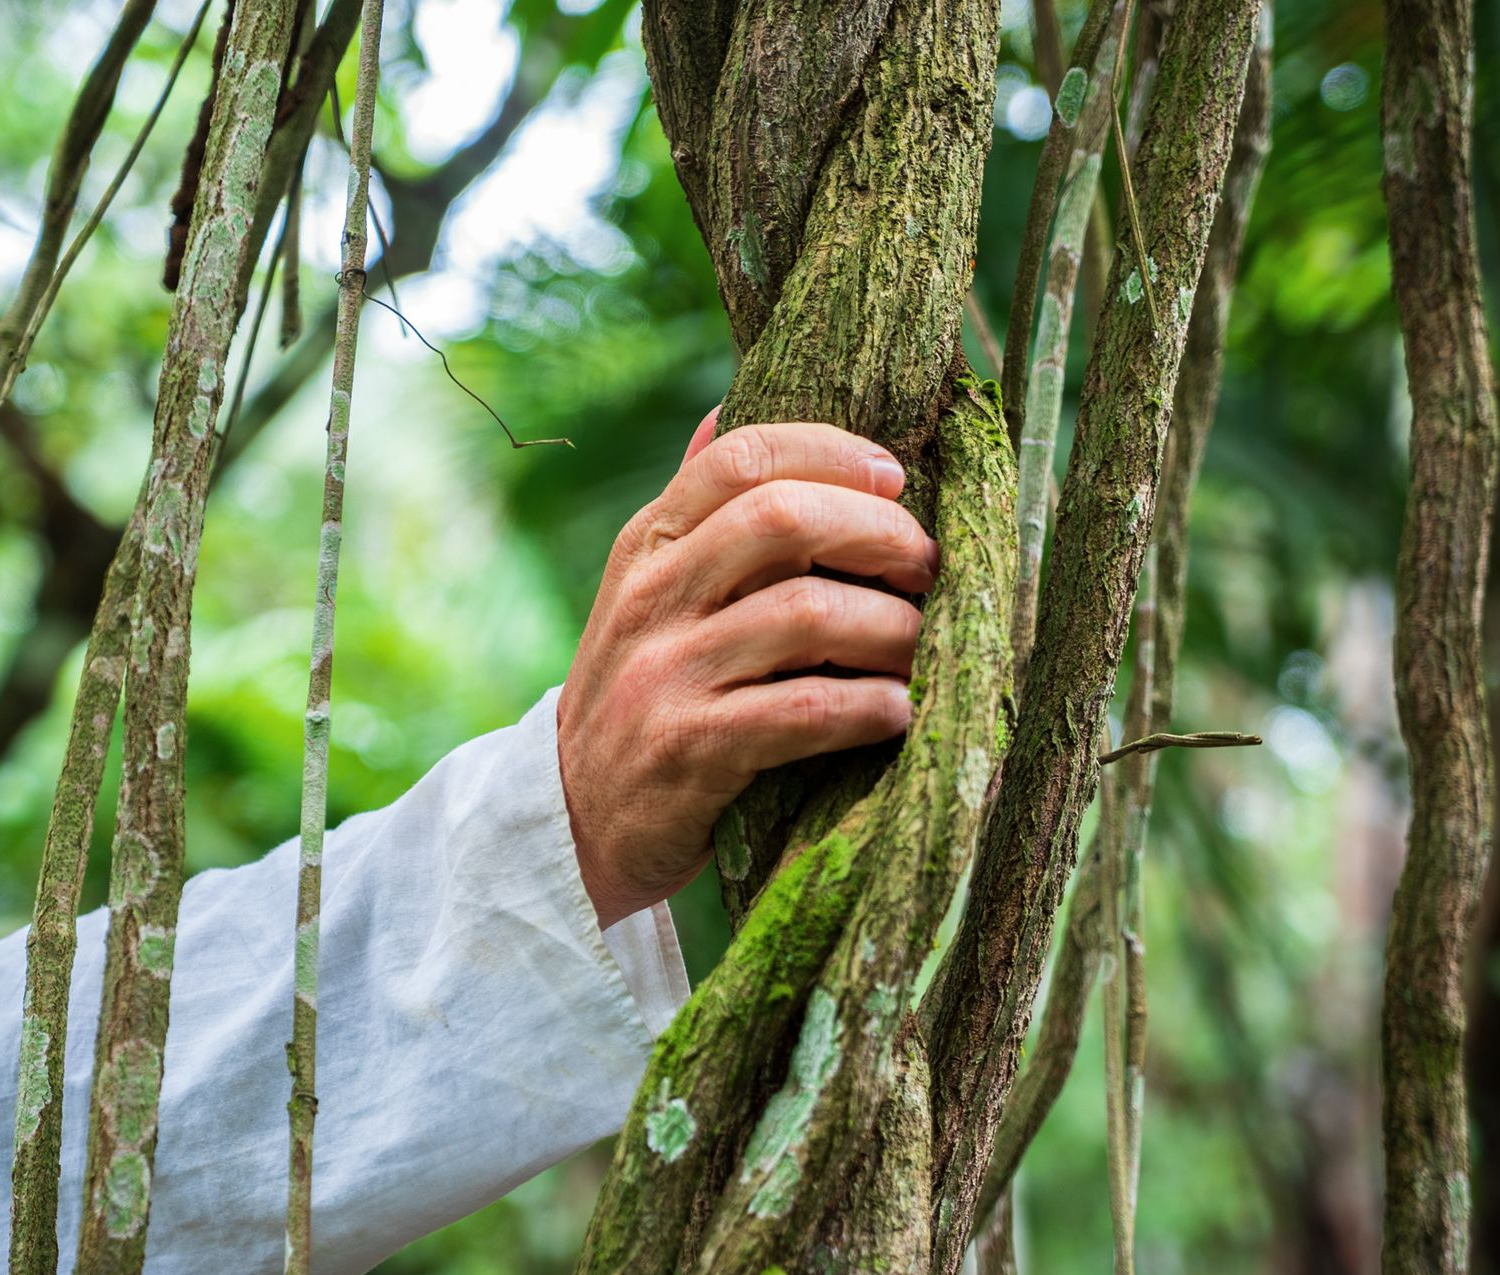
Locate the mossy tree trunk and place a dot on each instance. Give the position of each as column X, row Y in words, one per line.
column 843, row 265
column 795, row 1116
column 1427, row 118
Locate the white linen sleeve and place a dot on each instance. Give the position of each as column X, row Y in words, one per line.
column 474, row 1025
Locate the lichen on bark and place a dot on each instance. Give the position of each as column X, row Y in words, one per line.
column 146, row 869
column 52, row 939
column 1049, row 355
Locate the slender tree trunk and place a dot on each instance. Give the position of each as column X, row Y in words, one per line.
column 1427, row 117
column 146, row 869
column 1049, row 356
column 1483, row 1045
column 52, row 940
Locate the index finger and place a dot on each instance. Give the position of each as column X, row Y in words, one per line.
column 751, row 455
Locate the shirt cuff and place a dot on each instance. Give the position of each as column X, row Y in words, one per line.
column 643, row 945
column 645, row 948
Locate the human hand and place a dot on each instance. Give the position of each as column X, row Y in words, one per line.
column 672, row 704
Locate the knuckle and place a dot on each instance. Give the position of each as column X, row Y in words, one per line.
column 633, row 535
column 773, row 511
column 810, row 708
column 642, row 594
column 808, row 605
column 650, row 528
column 902, row 530
column 742, row 459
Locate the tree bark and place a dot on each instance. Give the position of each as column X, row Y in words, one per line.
column 1426, row 114
column 1049, row 356
column 978, row 1007
column 845, row 283
column 146, row 869
column 301, row 1050
column 52, row 940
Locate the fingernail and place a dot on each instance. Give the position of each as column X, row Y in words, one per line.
column 934, row 555
column 887, row 474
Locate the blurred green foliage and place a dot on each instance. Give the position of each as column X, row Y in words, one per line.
column 469, row 568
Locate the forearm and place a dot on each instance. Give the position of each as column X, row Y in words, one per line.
column 473, row 1029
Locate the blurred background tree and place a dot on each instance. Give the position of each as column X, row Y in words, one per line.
column 538, row 233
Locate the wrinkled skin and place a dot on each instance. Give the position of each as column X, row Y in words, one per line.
column 679, row 692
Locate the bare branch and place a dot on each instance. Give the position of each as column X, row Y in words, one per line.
column 1123, row 1002
column 1199, row 739
column 301, row 1052
column 70, row 161
column 1048, row 1064
column 1049, row 358
column 1047, row 44
column 1144, row 264
column 51, row 943
column 15, row 361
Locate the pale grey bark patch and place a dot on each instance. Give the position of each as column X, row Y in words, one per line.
column 155, row 950
column 772, row 1148
column 124, row 1194
column 670, row 1125
column 974, row 777
column 34, row 1089
column 1070, row 95
column 307, row 963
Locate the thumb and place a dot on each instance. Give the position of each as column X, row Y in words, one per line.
column 703, row 435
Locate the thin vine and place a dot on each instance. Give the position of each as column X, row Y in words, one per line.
column 301, row 1051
